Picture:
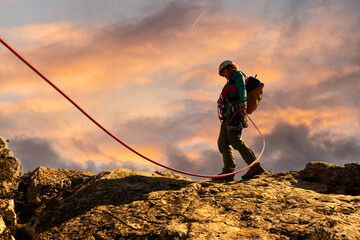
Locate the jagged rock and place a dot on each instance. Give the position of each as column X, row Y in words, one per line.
column 2, row 226
column 351, row 178
column 10, row 170
column 335, row 179
column 10, row 174
column 326, row 173
column 108, row 188
column 45, row 183
column 124, row 204
column 7, row 218
column 7, row 210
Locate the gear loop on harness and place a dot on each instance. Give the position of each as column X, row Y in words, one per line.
column 117, row 139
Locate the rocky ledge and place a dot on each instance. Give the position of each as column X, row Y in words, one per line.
column 320, row 202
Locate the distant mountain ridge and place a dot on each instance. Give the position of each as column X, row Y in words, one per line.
column 320, row 202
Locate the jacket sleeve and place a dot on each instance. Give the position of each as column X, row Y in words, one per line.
column 239, row 79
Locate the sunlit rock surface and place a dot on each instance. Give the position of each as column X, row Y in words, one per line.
column 122, row 204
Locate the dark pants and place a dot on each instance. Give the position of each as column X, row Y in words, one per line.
column 227, row 139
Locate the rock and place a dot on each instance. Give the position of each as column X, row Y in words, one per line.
column 327, row 173
column 320, row 202
column 7, row 218
column 10, row 175
column 46, row 183
column 351, row 179
column 333, row 178
column 124, row 204
column 2, row 226
column 107, row 189
column 10, row 170
column 7, row 210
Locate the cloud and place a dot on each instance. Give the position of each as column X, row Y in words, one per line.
column 207, row 162
column 35, row 152
column 337, row 90
column 291, row 147
column 152, row 80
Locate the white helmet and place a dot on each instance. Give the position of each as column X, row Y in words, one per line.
column 225, row 64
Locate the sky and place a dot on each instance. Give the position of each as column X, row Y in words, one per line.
column 147, row 70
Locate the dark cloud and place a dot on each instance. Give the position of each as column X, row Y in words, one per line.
column 291, row 147
column 36, row 152
column 174, row 15
column 338, row 90
column 160, row 25
column 208, row 162
column 324, row 42
column 294, row 13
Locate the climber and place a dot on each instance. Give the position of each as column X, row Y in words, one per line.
column 233, row 97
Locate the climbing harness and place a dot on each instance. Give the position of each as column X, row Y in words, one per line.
column 117, row 139
column 228, row 106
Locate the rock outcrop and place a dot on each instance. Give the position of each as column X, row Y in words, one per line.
column 10, row 176
column 43, row 184
column 320, row 202
column 11, row 170
column 123, row 204
column 332, row 178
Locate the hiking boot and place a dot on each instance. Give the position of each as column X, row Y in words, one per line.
column 253, row 171
column 228, row 178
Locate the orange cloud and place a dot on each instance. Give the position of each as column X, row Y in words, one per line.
column 319, row 119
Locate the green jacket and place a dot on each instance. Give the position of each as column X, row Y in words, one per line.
column 235, row 97
column 239, row 79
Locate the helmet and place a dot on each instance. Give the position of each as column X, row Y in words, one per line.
column 226, row 63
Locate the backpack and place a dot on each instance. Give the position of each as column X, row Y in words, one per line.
column 254, row 90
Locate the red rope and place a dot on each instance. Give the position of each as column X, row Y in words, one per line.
column 117, row 139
